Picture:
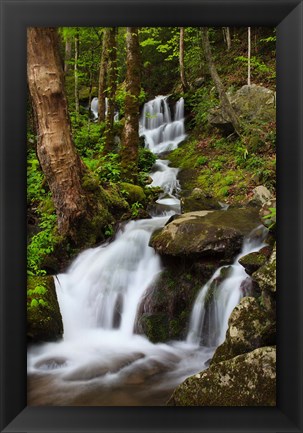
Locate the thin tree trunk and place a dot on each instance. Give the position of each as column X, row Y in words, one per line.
column 111, row 89
column 56, row 152
column 181, row 61
column 102, row 76
column 77, row 106
column 130, row 136
column 226, row 105
column 68, row 55
column 226, row 35
column 248, row 56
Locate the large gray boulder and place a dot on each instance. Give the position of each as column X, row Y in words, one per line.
column 251, row 103
column 249, row 327
column 206, row 233
column 246, row 380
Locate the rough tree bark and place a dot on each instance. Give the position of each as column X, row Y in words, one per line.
column 56, row 152
column 111, row 89
column 77, row 106
column 226, row 105
column 181, row 61
column 130, row 136
column 102, row 76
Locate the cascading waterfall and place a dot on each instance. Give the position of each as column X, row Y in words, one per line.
column 161, row 132
column 101, row 361
column 219, row 296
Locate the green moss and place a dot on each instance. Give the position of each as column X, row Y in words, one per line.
column 44, row 322
column 133, row 193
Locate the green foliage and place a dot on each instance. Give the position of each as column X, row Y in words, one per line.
column 135, row 209
column 201, row 102
column 35, row 297
column 41, row 244
column 272, row 215
column 146, row 160
column 201, row 160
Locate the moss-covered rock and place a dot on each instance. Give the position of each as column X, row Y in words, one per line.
column 246, row 380
column 206, row 233
column 44, row 321
column 197, row 200
column 134, row 193
column 249, row 327
column 165, row 309
column 252, row 261
column 266, row 275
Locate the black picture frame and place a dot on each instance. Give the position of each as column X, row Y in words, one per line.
column 287, row 15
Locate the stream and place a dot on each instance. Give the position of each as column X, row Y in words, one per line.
column 101, row 361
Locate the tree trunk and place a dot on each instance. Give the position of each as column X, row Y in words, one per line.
column 68, row 55
column 130, row 136
column 56, row 152
column 111, row 89
column 77, row 107
column 181, row 61
column 226, row 106
column 226, row 35
column 248, row 56
column 102, row 76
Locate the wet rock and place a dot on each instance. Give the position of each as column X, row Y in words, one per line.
column 265, row 276
column 246, row 380
column 166, row 307
column 44, row 321
column 249, row 327
column 206, row 233
column 252, row 261
column 267, row 214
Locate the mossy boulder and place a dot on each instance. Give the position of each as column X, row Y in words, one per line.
column 166, row 307
column 134, row 193
column 197, row 200
column 44, row 321
column 252, row 261
column 252, row 104
column 249, row 327
column 246, row 380
column 266, row 275
column 206, row 233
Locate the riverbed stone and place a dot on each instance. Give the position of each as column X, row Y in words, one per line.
column 44, row 321
column 206, row 233
column 246, row 380
column 249, row 327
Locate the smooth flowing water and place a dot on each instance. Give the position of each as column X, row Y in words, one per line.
column 101, row 360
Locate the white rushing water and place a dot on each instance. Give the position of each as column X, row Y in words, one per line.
column 94, row 109
column 162, row 131
column 101, row 360
column 219, row 296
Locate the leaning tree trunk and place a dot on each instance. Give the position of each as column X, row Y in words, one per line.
column 111, row 89
column 181, row 61
column 226, row 105
column 130, row 136
column 102, row 76
column 56, row 152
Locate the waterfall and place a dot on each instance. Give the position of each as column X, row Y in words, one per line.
column 103, row 287
column 94, row 109
column 100, row 360
column 219, row 296
column 161, row 133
